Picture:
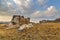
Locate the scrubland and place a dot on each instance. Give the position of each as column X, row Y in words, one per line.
column 44, row 31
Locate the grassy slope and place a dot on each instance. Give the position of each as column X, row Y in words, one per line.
column 49, row 31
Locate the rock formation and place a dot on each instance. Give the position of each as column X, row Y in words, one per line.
column 18, row 21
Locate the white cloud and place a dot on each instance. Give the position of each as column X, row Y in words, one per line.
column 9, row 4
column 36, row 14
column 43, row 2
column 40, row 15
column 24, row 7
column 18, row 2
column 25, row 3
column 51, row 11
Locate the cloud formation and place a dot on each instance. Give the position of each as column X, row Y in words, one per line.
column 43, row 2
column 25, row 3
column 47, row 14
column 28, row 8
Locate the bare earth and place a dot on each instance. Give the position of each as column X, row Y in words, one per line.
column 45, row 31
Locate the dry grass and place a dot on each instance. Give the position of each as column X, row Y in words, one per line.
column 45, row 31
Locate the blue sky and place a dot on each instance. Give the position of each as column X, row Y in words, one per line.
column 35, row 9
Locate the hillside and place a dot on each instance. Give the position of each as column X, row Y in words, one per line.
column 45, row 31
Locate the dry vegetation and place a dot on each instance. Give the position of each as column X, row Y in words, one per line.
column 45, row 31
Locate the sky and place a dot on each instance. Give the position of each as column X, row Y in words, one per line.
column 37, row 10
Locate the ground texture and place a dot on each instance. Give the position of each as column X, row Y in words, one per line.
column 44, row 31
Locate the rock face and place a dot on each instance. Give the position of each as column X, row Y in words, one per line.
column 18, row 21
column 22, row 27
column 15, row 19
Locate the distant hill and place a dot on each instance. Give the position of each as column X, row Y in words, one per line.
column 4, row 22
column 45, row 21
column 57, row 20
